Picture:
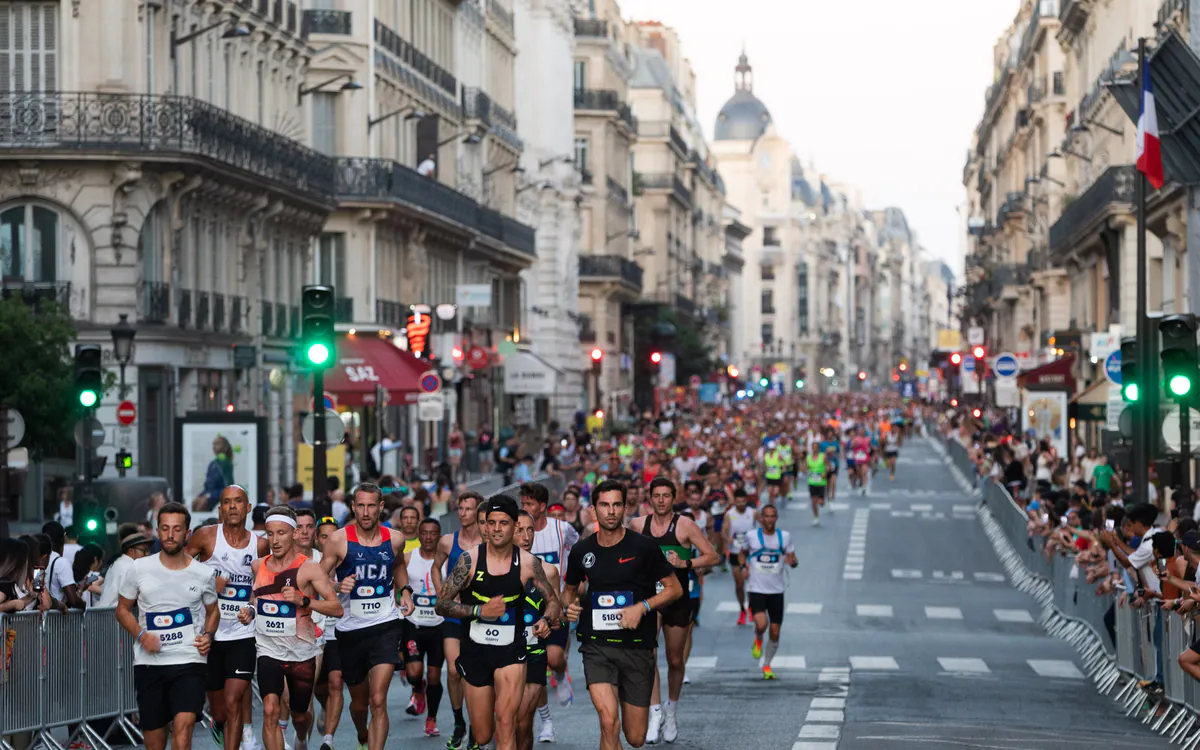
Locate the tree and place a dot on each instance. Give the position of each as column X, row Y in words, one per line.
column 658, row 327
column 38, row 372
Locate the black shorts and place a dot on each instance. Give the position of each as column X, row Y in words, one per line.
column 816, row 490
column 452, row 629
column 331, row 661
column 890, row 454
column 679, row 613
column 535, row 669
column 793, row 471
column 772, row 604
column 422, row 644
column 298, row 675
column 230, row 660
column 166, row 691
column 775, row 482
column 366, row 648
column 559, row 638
column 477, row 664
column 630, row 669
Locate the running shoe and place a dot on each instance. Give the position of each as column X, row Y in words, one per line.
column 420, row 699
column 742, row 617
column 326, row 746
column 767, row 673
column 686, row 679
column 360, row 746
column 431, row 729
column 218, row 734
column 249, row 741
column 412, row 706
column 652, row 728
column 670, row 729
column 565, row 691
column 756, row 649
column 458, row 738
column 547, row 732
column 816, row 521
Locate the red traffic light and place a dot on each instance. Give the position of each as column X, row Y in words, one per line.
column 977, row 413
column 903, row 367
column 862, row 375
column 599, row 414
column 597, row 354
column 979, row 352
column 656, row 357
column 895, row 377
column 956, row 358
column 954, row 402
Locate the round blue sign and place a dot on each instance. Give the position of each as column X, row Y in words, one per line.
column 1112, row 366
column 430, row 383
column 1006, row 365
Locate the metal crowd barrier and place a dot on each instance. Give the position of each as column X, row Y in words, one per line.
column 72, row 670
column 556, row 484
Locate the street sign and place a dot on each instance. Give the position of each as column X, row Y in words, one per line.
column 1116, row 408
column 968, row 364
column 1170, row 430
column 1112, row 367
column 97, row 429
column 126, row 413
column 335, row 429
column 15, row 430
column 477, row 358
column 124, row 438
column 694, row 381
column 331, row 402
column 430, row 382
column 975, row 336
column 1006, row 365
column 431, row 407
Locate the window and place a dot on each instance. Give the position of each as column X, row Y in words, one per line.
column 769, row 236
column 768, row 333
column 329, row 261
column 581, row 154
column 581, row 79
column 150, row 245
column 802, row 296
column 29, row 241
column 228, row 75
column 768, row 302
column 28, row 46
column 261, row 77
column 768, row 273
column 324, row 129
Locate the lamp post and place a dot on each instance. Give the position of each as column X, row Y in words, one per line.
column 122, row 338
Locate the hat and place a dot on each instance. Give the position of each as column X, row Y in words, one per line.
column 553, row 506
column 136, row 539
column 1191, row 540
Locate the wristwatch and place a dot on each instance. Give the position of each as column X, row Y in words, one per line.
column 305, row 602
column 688, row 563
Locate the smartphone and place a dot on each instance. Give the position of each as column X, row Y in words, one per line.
column 91, row 578
column 1062, row 521
column 1110, row 524
column 39, row 579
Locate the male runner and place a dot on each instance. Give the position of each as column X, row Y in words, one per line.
column 229, row 549
column 534, row 698
column 616, row 632
column 818, row 476
column 492, row 580
column 328, row 689
column 422, row 641
column 767, row 549
column 860, row 451
column 410, row 521
column 773, row 470
column 552, row 543
column 176, row 599
column 739, row 520
column 369, row 562
column 450, row 546
column 831, row 448
column 281, row 611
column 891, row 449
column 676, row 536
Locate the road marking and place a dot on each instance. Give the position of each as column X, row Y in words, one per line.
column 881, row 506
column 967, row 666
column 838, row 704
column 789, row 662
column 901, row 573
column 874, row 610
column 964, row 509
column 856, row 557
column 873, row 662
column 835, row 670
column 820, row 731
column 826, row 717
column 853, row 576
column 840, row 678
column 852, row 567
column 921, row 508
column 815, row 746
column 839, row 506
column 702, row 662
column 1013, row 615
column 902, row 514
column 943, row 613
column 956, row 575
column 728, row 607
column 990, row 577
column 1055, row 668
column 804, row 608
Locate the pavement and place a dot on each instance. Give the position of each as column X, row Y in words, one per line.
column 902, row 632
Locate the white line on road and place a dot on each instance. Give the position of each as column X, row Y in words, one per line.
column 1055, row 668
column 805, row 608
column 902, row 514
column 943, row 613
column 873, row 610
column 1013, row 615
column 873, row 662
column 881, row 506
column 728, row 607
column 820, row 732
column 789, row 662
column 967, row 666
column 838, row 704
column 820, row 716
column 702, row 662
column 901, row 573
column 852, row 576
column 921, row 508
column 990, row 577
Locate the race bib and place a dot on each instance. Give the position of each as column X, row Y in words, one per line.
column 860, row 456
column 368, row 600
column 423, row 612
column 275, row 618
column 739, row 540
column 492, row 633
column 231, row 600
column 767, row 563
column 175, row 629
column 530, row 638
column 606, row 609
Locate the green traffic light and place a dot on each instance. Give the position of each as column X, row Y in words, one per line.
column 799, row 383
column 763, row 382
column 1179, row 385
column 318, row 354
column 88, row 399
column 91, row 524
column 1131, row 392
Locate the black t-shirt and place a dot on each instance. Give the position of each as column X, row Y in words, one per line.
column 617, row 577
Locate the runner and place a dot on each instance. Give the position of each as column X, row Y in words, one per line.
column 229, row 549
column 492, row 662
column 616, row 633
column 328, row 690
column 679, row 534
column 830, row 448
column 534, row 698
column 766, row 551
column 552, row 543
column 818, row 476
column 370, row 567
column 176, row 600
column 891, row 449
column 281, row 611
column 410, row 522
column 773, row 467
column 860, row 449
column 422, row 642
column 739, row 520
column 450, row 546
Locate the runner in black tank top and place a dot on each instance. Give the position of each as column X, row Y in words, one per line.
column 490, row 644
column 679, row 612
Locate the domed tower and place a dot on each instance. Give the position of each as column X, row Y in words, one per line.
column 744, row 117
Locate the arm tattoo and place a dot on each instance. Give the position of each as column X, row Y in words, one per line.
column 447, row 600
column 553, row 607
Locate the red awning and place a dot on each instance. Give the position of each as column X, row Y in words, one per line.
column 365, row 361
column 1052, row 376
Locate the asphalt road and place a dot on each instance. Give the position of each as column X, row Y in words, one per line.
column 902, row 633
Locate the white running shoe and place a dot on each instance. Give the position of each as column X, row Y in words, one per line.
column 670, row 730
column 816, row 521
column 547, row 733
column 249, row 741
column 686, row 679
column 652, row 730
column 565, row 691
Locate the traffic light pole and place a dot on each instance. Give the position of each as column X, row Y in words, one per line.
column 320, row 480
column 1144, row 428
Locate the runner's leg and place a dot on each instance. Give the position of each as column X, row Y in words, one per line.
column 604, row 698
column 379, row 679
column 481, row 709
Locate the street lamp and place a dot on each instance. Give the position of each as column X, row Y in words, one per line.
column 413, row 114
column 122, row 337
column 234, row 31
column 351, row 84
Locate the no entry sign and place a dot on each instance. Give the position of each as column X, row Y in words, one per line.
column 126, row 413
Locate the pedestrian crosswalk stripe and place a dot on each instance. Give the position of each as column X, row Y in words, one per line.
column 815, row 746
column 702, row 662
column 873, row 662
column 881, row 506
column 943, row 613
column 835, row 670
column 839, row 506
column 964, row 509
column 817, row 715
column 804, row 608
column 1013, row 615
column 856, row 546
column 900, row 573
column 854, row 557
column 728, row 607
column 956, row 575
column 853, row 567
column 834, row 677
column 902, row 514
column 873, row 610
column 973, row 666
column 820, row 731
column 788, row 662
column 990, row 577
column 828, row 703
column 1055, row 668
column 921, row 508
column 853, row 576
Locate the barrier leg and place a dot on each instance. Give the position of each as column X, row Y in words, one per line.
column 1162, row 719
column 1183, row 728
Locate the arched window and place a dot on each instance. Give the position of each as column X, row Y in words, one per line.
column 30, row 241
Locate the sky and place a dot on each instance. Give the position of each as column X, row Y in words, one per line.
column 883, row 95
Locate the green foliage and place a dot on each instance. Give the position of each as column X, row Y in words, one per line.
column 38, row 372
column 692, row 355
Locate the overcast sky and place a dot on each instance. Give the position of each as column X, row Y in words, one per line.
column 879, row 94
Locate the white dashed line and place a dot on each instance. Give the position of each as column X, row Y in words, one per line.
column 943, row 613
column 921, row 508
column 1013, row 615
column 964, row 666
column 873, row 663
column 804, row 608
column 901, row 573
column 789, row 662
column 1055, row 668
column 873, row 610
column 990, row 577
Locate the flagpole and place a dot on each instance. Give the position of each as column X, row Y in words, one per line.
column 1145, row 429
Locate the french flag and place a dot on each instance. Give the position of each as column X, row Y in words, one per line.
column 1149, row 150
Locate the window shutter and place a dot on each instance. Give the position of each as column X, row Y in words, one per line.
column 49, row 47
column 19, row 52
column 6, row 46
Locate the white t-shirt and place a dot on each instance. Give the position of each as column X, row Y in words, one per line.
column 1143, row 559
column 69, row 550
column 58, row 573
column 113, row 579
column 171, row 604
column 768, row 571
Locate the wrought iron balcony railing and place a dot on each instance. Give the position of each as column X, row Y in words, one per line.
column 218, row 312
column 611, row 266
column 685, row 305
column 268, row 322
column 414, row 58
column 237, row 314
column 156, row 302
column 617, row 192
column 327, row 22
column 592, row 27
column 1111, row 192
column 601, row 99
column 35, row 292
column 476, row 104
column 148, row 125
column 670, row 182
column 202, row 310
column 184, row 315
column 391, row 314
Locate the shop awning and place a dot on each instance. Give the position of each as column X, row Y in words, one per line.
column 1052, row 376
column 1091, row 404
column 527, row 374
column 366, row 361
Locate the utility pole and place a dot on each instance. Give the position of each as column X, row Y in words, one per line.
column 1144, row 429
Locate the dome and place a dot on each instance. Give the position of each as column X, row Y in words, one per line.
column 744, row 117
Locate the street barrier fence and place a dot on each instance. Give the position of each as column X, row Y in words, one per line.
column 556, row 484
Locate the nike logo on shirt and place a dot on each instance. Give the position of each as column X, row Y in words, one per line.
column 624, row 559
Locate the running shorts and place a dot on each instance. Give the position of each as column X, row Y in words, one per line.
column 816, row 491
column 166, row 691
column 419, row 644
column 331, row 661
column 477, row 664
column 368, row 647
column 230, row 660
column 535, row 669
column 298, row 675
column 772, row 604
column 630, row 669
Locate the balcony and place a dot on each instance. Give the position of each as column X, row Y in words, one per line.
column 1013, row 208
column 605, row 100
column 361, row 179
column 343, row 310
column 476, row 105
column 702, row 168
column 150, row 128
column 1074, row 14
column 390, row 314
column 1167, row 17
column 591, row 27
column 669, row 182
column 237, row 314
column 617, row 192
column 35, row 292
column 412, row 57
column 685, row 305
column 1006, row 275
column 155, row 302
column 336, row 22
column 1111, row 193
column 502, row 16
column 611, row 267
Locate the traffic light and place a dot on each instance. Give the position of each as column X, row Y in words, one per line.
column 597, row 359
column 956, row 358
column 656, row 358
column 1178, row 334
column 89, row 375
column 799, row 384
column 903, row 367
column 316, row 326
column 979, row 353
column 124, row 461
column 88, row 519
column 977, row 412
column 954, row 402
column 764, row 382
column 1129, row 369
column 862, row 375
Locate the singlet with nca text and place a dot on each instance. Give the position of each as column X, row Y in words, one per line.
column 233, row 566
column 373, row 600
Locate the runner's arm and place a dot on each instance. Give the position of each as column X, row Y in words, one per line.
column 335, row 551
column 548, row 592
column 328, row 603
column 400, row 577
column 439, row 559
column 447, row 598
column 197, row 545
column 694, row 537
column 671, row 591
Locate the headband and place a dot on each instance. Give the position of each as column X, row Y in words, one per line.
column 281, row 519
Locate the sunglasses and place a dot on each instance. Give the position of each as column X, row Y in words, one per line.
column 327, row 519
